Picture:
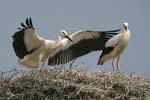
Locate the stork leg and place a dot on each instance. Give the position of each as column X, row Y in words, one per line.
column 113, row 65
column 118, row 63
column 41, row 66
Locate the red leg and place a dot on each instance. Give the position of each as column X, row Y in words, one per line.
column 113, row 65
column 118, row 63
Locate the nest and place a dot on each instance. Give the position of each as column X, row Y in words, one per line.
column 61, row 84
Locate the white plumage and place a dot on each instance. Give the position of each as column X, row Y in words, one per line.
column 33, row 49
column 115, row 46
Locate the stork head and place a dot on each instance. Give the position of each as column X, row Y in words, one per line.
column 64, row 34
column 125, row 25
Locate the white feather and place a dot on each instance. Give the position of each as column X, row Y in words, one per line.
column 32, row 40
column 113, row 41
column 78, row 36
column 43, row 49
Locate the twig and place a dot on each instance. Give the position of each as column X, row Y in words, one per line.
column 86, row 86
column 11, row 95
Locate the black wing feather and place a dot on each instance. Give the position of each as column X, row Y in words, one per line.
column 31, row 24
column 18, row 40
column 28, row 23
column 81, row 48
column 23, row 25
column 107, row 51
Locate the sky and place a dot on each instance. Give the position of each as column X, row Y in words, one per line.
column 51, row 16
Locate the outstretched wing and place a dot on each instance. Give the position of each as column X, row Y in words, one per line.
column 83, row 43
column 26, row 40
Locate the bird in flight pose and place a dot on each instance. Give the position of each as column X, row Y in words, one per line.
column 32, row 49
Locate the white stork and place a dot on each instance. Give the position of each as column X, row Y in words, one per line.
column 33, row 49
column 115, row 46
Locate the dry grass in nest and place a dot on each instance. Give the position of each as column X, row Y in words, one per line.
column 73, row 85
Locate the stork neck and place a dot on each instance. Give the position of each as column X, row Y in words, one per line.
column 60, row 37
column 126, row 30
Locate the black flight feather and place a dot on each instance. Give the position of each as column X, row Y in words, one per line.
column 30, row 20
column 23, row 25
column 83, row 47
column 27, row 23
column 18, row 39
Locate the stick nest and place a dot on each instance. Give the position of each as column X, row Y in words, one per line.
column 73, row 85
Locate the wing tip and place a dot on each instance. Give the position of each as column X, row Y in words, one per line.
column 28, row 24
column 18, row 38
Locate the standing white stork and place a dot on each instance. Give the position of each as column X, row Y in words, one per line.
column 33, row 49
column 115, row 46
